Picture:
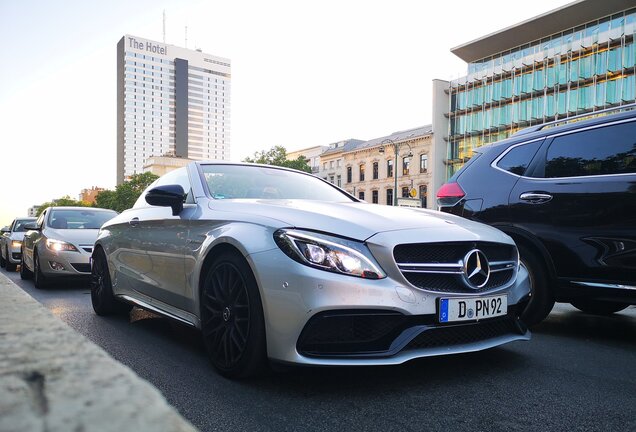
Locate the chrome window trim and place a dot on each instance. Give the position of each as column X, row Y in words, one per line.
column 494, row 163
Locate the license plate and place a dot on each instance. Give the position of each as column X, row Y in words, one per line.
column 465, row 309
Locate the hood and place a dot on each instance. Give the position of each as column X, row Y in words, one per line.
column 75, row 236
column 17, row 235
column 354, row 220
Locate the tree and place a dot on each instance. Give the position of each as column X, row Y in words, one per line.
column 65, row 201
column 125, row 194
column 277, row 156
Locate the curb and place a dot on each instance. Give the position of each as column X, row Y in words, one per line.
column 54, row 379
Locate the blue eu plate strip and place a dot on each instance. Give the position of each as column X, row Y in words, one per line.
column 443, row 310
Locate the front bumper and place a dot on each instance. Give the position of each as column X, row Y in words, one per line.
column 403, row 318
column 65, row 263
column 15, row 255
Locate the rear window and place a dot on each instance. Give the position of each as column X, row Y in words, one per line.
column 518, row 158
column 455, row 176
column 601, row 151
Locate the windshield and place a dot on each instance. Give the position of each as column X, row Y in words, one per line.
column 79, row 219
column 256, row 182
column 20, row 223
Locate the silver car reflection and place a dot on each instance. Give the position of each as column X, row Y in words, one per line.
column 60, row 243
column 276, row 264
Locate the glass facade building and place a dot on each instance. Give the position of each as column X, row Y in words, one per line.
column 171, row 102
column 579, row 69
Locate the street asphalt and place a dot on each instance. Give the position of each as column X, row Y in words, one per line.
column 578, row 373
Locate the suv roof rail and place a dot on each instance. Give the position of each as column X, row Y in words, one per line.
column 579, row 117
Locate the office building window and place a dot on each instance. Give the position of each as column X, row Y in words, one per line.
column 405, row 192
column 331, row 179
column 374, row 197
column 349, row 174
column 339, row 181
column 362, row 172
column 389, row 197
column 423, row 163
column 361, row 195
column 389, row 168
column 423, row 193
column 375, row 170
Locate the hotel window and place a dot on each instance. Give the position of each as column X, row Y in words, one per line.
column 389, row 197
column 423, row 163
column 406, row 163
column 374, row 197
column 389, row 168
column 375, row 170
column 349, row 175
column 362, row 172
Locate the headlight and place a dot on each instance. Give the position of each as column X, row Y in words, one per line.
column 329, row 253
column 59, row 245
column 16, row 243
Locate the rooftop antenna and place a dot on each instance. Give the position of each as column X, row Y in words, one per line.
column 164, row 26
column 186, row 36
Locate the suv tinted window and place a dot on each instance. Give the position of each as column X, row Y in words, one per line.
column 518, row 158
column 606, row 150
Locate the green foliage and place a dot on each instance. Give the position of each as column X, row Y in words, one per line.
column 65, row 201
column 277, row 156
column 125, row 194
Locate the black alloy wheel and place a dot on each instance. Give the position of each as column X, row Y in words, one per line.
column 102, row 297
column 541, row 296
column 25, row 273
column 39, row 280
column 10, row 266
column 232, row 318
column 598, row 307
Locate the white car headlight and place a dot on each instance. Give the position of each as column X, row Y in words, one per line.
column 59, row 245
column 16, row 243
column 329, row 253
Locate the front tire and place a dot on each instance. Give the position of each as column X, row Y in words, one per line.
column 597, row 307
column 232, row 319
column 39, row 280
column 541, row 296
column 25, row 273
column 102, row 297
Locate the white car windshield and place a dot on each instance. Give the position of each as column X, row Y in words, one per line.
column 20, row 223
column 257, row 182
column 79, row 219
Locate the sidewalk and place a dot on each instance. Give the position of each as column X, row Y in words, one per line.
column 54, row 379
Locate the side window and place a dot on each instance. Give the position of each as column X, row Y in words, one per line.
column 178, row 176
column 518, row 158
column 605, row 150
column 40, row 221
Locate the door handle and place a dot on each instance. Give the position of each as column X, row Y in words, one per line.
column 535, row 198
column 134, row 222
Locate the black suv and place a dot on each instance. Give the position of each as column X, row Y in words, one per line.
column 566, row 193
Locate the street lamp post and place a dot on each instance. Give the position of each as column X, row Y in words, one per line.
column 396, row 148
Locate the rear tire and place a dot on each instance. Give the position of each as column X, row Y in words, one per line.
column 541, row 296
column 102, row 297
column 232, row 320
column 25, row 273
column 39, row 280
column 597, row 307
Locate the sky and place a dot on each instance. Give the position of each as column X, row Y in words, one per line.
column 303, row 74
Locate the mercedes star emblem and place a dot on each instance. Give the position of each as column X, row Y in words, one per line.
column 476, row 269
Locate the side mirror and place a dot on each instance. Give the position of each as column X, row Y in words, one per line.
column 5, row 230
column 167, row 196
column 31, row 226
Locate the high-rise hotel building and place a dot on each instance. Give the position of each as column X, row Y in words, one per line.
column 170, row 101
column 576, row 59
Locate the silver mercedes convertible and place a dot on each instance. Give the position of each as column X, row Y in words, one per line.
column 275, row 264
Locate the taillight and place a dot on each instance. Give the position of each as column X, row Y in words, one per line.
column 449, row 194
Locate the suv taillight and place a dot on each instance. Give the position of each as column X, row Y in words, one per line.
column 449, row 194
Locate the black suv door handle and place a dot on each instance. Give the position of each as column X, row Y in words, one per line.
column 134, row 222
column 535, row 198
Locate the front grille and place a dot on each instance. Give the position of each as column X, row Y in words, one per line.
column 451, row 252
column 463, row 334
column 83, row 268
column 438, row 267
column 448, row 283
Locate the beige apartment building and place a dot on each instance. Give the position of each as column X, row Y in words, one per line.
column 369, row 168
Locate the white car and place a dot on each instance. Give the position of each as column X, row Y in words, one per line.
column 272, row 263
column 11, row 243
column 59, row 244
